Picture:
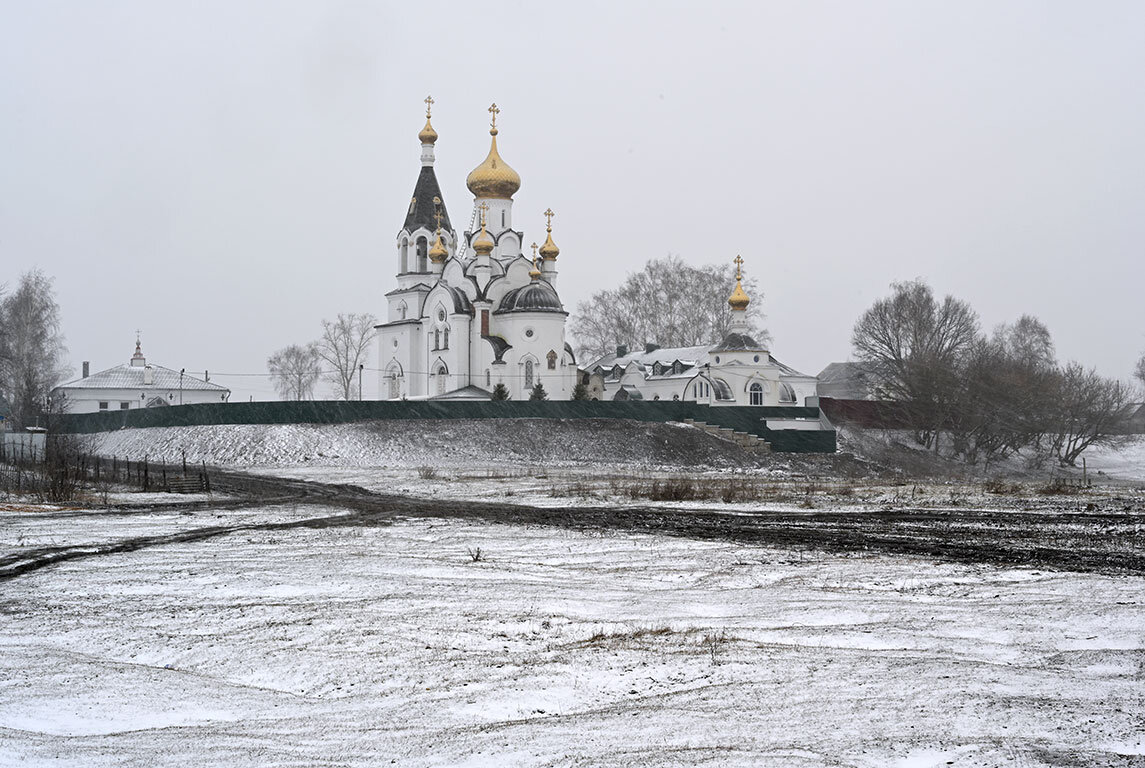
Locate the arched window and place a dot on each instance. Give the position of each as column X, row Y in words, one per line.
column 403, row 309
column 488, row 378
column 528, row 374
column 446, row 345
column 405, row 257
column 437, row 338
column 786, row 394
column 552, row 358
column 756, row 393
column 442, row 376
column 395, row 386
column 422, row 250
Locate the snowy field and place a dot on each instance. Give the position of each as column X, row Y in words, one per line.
column 273, row 640
column 365, row 646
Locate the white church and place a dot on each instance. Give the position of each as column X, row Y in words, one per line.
column 472, row 311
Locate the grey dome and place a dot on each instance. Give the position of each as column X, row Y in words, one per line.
column 537, row 296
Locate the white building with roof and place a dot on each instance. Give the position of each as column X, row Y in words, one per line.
column 471, row 310
column 737, row 371
column 137, row 384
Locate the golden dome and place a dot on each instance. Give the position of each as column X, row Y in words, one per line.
column 483, row 243
column 739, row 298
column 549, row 250
column 427, row 135
column 535, row 272
column 493, row 178
column 438, row 254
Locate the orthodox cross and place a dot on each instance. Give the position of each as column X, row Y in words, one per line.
column 484, row 207
column 437, row 211
column 428, row 104
column 739, row 263
column 549, row 219
column 534, row 253
column 493, row 110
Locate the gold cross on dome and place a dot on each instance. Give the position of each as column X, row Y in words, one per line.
column 428, row 104
column 739, row 264
column 493, row 110
column 549, row 219
column 437, row 211
column 484, row 207
column 534, row 252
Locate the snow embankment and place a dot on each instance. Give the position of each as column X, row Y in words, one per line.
column 445, row 442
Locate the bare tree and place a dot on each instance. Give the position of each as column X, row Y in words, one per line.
column 1007, row 391
column 344, row 346
column 669, row 302
column 1139, row 370
column 917, row 347
column 31, row 347
column 295, row 371
column 1086, row 409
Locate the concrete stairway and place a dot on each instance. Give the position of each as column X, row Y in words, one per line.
column 746, row 440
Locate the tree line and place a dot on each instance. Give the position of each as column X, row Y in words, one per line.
column 992, row 394
column 338, row 356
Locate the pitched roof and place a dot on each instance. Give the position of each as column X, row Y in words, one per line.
column 128, row 376
column 421, row 209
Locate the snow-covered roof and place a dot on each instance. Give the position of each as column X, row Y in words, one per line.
column 129, row 376
column 696, row 356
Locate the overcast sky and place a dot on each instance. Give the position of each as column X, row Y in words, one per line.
column 223, row 175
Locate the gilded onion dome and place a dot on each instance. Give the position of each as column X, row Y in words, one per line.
column 483, row 244
column 493, row 178
column 427, row 135
column 535, row 272
column 549, row 250
column 739, row 298
column 437, row 253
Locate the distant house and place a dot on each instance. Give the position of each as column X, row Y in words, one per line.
column 846, row 381
column 137, row 384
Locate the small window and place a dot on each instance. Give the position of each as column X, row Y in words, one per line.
column 488, row 378
column 552, row 360
column 756, row 393
column 446, row 345
column 502, row 218
column 528, row 374
column 123, row 406
column 103, row 405
column 437, row 338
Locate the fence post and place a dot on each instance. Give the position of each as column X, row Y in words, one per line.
column 146, row 475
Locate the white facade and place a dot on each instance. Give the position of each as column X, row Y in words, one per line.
column 472, row 311
column 737, row 371
column 138, row 384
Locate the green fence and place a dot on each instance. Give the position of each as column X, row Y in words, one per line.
column 740, row 418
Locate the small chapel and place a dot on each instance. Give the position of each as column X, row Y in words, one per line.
column 471, row 310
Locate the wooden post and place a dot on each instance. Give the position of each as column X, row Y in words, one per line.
column 146, row 475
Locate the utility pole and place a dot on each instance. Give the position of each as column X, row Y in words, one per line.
column 361, row 367
column 181, row 372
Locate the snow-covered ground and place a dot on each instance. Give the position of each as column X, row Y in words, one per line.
column 366, row 646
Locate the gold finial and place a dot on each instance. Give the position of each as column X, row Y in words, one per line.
column 494, row 111
column 535, row 272
column 483, row 243
column 549, row 250
column 739, row 298
column 427, row 135
column 437, row 211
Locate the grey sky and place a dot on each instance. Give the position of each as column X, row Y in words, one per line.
column 223, row 175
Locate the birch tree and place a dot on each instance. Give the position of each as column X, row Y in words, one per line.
column 295, row 371
column 344, row 346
